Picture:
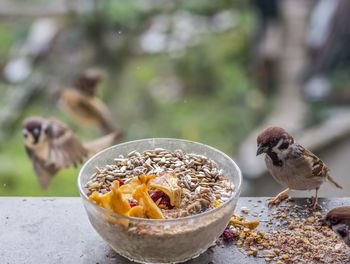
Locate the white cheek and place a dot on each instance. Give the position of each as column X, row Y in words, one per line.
column 41, row 138
column 28, row 141
column 347, row 240
column 337, row 227
column 280, row 153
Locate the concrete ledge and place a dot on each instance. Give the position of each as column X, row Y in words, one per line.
column 57, row 230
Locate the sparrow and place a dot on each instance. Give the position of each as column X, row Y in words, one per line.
column 291, row 165
column 81, row 101
column 338, row 219
column 52, row 146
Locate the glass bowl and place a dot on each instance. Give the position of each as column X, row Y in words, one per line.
column 160, row 241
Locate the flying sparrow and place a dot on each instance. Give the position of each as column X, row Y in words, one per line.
column 81, row 102
column 290, row 164
column 338, row 219
column 52, row 146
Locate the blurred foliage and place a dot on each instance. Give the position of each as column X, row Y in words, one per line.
column 6, row 38
column 201, row 92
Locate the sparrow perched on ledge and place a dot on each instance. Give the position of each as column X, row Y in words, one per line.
column 52, row 146
column 338, row 219
column 81, row 102
column 290, row 164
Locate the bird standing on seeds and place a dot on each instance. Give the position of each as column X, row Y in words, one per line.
column 81, row 102
column 52, row 146
column 291, row 165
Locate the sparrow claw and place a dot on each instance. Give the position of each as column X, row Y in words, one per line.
column 314, row 204
column 271, row 201
column 276, row 200
column 279, row 198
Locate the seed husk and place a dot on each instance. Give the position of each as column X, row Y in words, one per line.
column 292, row 235
column 193, row 171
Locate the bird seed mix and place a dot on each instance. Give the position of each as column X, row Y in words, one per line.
column 291, row 234
column 159, row 184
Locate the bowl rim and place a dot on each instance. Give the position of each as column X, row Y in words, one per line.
column 236, row 191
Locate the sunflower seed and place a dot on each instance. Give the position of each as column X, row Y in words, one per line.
column 197, row 174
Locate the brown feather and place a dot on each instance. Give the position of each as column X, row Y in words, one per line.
column 58, row 147
column 65, row 148
column 87, row 82
column 340, row 213
column 45, row 172
column 103, row 142
column 318, row 167
column 96, row 110
column 88, row 109
column 271, row 134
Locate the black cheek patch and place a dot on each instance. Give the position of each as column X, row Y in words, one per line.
column 284, row 145
column 275, row 160
column 36, row 140
column 343, row 232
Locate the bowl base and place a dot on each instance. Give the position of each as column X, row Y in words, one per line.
column 167, row 262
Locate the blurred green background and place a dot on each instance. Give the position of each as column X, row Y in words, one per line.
column 184, row 69
column 195, row 88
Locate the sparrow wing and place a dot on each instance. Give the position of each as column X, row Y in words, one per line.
column 65, row 149
column 318, row 168
column 103, row 142
column 43, row 171
column 98, row 111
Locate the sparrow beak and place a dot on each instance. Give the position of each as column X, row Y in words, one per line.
column 261, row 150
column 323, row 221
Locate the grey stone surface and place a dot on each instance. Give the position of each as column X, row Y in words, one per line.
column 57, row 230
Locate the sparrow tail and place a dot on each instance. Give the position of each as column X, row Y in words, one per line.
column 102, row 142
column 107, row 127
column 331, row 180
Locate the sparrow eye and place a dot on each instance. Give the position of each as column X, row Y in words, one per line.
column 334, row 221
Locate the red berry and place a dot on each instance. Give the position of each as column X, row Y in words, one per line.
column 156, row 195
column 166, row 201
column 132, row 203
column 121, row 182
column 228, row 234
